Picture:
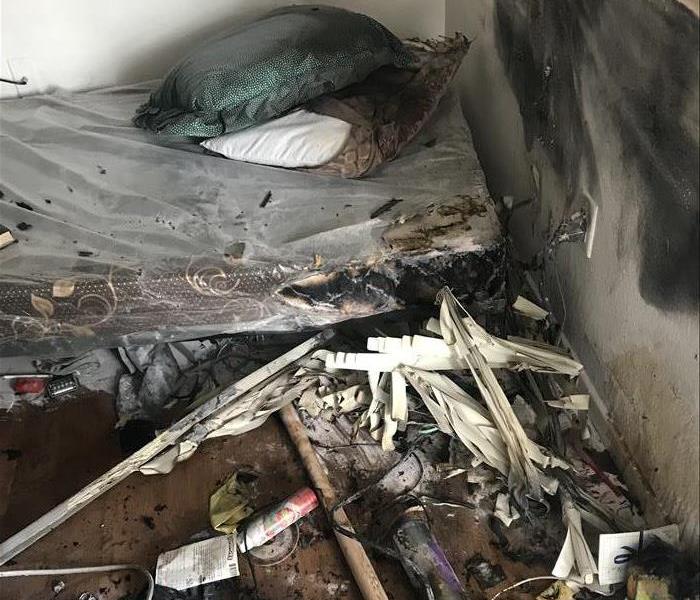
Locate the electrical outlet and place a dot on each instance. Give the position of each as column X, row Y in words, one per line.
column 591, row 223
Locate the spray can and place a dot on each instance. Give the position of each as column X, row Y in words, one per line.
column 423, row 559
column 267, row 525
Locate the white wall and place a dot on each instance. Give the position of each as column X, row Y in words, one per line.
column 82, row 44
column 489, row 104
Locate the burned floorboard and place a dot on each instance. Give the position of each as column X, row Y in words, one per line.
column 62, row 450
column 48, row 455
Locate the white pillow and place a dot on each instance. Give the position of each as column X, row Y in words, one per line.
column 298, row 139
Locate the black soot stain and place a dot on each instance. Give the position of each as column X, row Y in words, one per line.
column 552, row 51
column 384, row 208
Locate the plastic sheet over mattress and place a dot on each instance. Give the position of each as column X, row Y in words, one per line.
column 124, row 237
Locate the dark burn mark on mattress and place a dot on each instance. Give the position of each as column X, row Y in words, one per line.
column 85, row 253
column 266, row 199
column 70, row 189
column 101, row 170
column 353, row 291
column 158, row 295
column 234, row 251
column 384, row 208
column 170, row 224
column 24, row 205
column 23, row 226
column 435, row 228
column 468, row 207
column 551, row 51
column 47, row 200
column 477, row 277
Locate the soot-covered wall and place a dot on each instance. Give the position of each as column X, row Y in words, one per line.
column 600, row 100
column 646, row 57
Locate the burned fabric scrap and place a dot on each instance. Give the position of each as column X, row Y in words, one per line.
column 230, row 504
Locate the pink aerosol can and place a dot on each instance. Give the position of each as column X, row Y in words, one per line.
column 267, row 525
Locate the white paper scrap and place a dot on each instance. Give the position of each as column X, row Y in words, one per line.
column 195, row 564
column 566, row 560
column 615, row 550
column 529, row 309
column 575, row 560
column 504, row 511
column 573, row 402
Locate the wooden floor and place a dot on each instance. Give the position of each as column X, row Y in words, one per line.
column 45, row 456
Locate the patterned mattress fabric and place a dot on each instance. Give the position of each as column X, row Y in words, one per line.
column 125, row 237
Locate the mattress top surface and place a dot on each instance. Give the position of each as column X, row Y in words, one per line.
column 125, row 237
column 80, row 184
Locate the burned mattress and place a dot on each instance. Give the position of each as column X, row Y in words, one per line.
column 124, row 237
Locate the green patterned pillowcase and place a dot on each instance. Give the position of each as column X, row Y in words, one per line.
column 265, row 68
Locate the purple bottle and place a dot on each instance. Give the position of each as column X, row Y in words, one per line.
column 423, row 559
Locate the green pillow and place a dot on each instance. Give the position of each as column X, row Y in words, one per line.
column 263, row 69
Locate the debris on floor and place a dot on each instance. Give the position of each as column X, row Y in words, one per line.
column 439, row 427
